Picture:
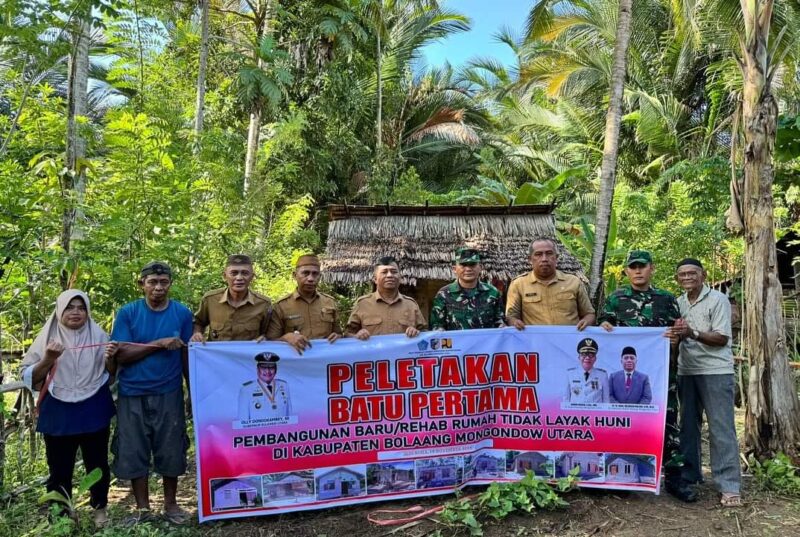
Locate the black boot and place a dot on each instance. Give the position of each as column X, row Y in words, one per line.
column 680, row 489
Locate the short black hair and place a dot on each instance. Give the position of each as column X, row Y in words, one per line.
column 385, row 260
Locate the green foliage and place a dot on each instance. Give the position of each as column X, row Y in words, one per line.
column 787, row 139
column 499, row 500
column 84, row 485
column 777, row 474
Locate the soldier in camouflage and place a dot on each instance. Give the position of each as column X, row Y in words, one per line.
column 467, row 302
column 640, row 304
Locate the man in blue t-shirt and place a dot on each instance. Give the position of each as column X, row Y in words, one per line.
column 152, row 333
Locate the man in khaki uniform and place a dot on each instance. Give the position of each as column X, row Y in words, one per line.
column 385, row 311
column 306, row 313
column 546, row 295
column 233, row 313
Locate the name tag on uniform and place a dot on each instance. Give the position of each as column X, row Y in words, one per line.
column 291, row 317
column 531, row 294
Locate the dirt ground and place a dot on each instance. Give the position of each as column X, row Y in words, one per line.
column 591, row 512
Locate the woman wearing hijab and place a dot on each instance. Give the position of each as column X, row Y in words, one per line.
column 67, row 364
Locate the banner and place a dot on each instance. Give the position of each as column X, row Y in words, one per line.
column 397, row 417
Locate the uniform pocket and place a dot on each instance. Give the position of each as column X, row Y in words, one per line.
column 532, row 298
column 328, row 315
column 216, row 330
column 369, row 322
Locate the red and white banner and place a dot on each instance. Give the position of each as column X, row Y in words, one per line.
column 393, row 417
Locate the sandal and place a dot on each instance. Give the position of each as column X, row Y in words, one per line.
column 178, row 517
column 139, row 516
column 730, row 499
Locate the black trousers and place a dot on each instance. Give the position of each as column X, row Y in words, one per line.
column 61, row 452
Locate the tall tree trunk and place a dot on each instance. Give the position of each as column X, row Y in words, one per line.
column 253, row 132
column 77, row 105
column 263, row 27
column 772, row 421
column 379, row 115
column 608, row 169
column 201, row 74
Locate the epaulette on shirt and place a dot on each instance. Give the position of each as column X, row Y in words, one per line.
column 215, row 292
column 359, row 299
column 600, row 369
column 326, row 295
column 521, row 276
column 408, row 298
column 248, row 383
column 284, row 297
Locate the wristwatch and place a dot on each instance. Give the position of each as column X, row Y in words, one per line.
column 695, row 334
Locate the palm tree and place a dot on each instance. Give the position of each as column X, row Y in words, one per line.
column 608, row 170
column 401, row 28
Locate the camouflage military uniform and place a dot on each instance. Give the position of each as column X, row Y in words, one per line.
column 654, row 307
column 456, row 308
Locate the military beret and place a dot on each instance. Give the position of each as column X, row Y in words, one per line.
column 466, row 256
column 307, row 259
column 587, row 345
column 638, row 256
column 156, row 267
column 628, row 350
column 238, row 259
column 267, row 358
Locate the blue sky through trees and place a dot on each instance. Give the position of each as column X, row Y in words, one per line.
column 488, row 17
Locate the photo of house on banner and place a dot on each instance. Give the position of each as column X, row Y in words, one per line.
column 485, row 464
column 630, row 468
column 236, row 493
column 442, row 472
column 288, row 488
column 519, row 463
column 341, row 482
column 390, row 477
column 589, row 465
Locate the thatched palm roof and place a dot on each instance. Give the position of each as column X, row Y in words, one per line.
column 423, row 239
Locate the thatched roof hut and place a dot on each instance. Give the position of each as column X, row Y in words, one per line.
column 423, row 239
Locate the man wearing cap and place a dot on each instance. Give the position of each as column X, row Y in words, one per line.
column 628, row 386
column 706, row 381
column 151, row 356
column 235, row 312
column 467, row 302
column 587, row 383
column 265, row 397
column 545, row 295
column 641, row 304
column 386, row 311
column 306, row 313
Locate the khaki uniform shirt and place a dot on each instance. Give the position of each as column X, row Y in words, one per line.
column 380, row 317
column 560, row 301
column 316, row 319
column 226, row 323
